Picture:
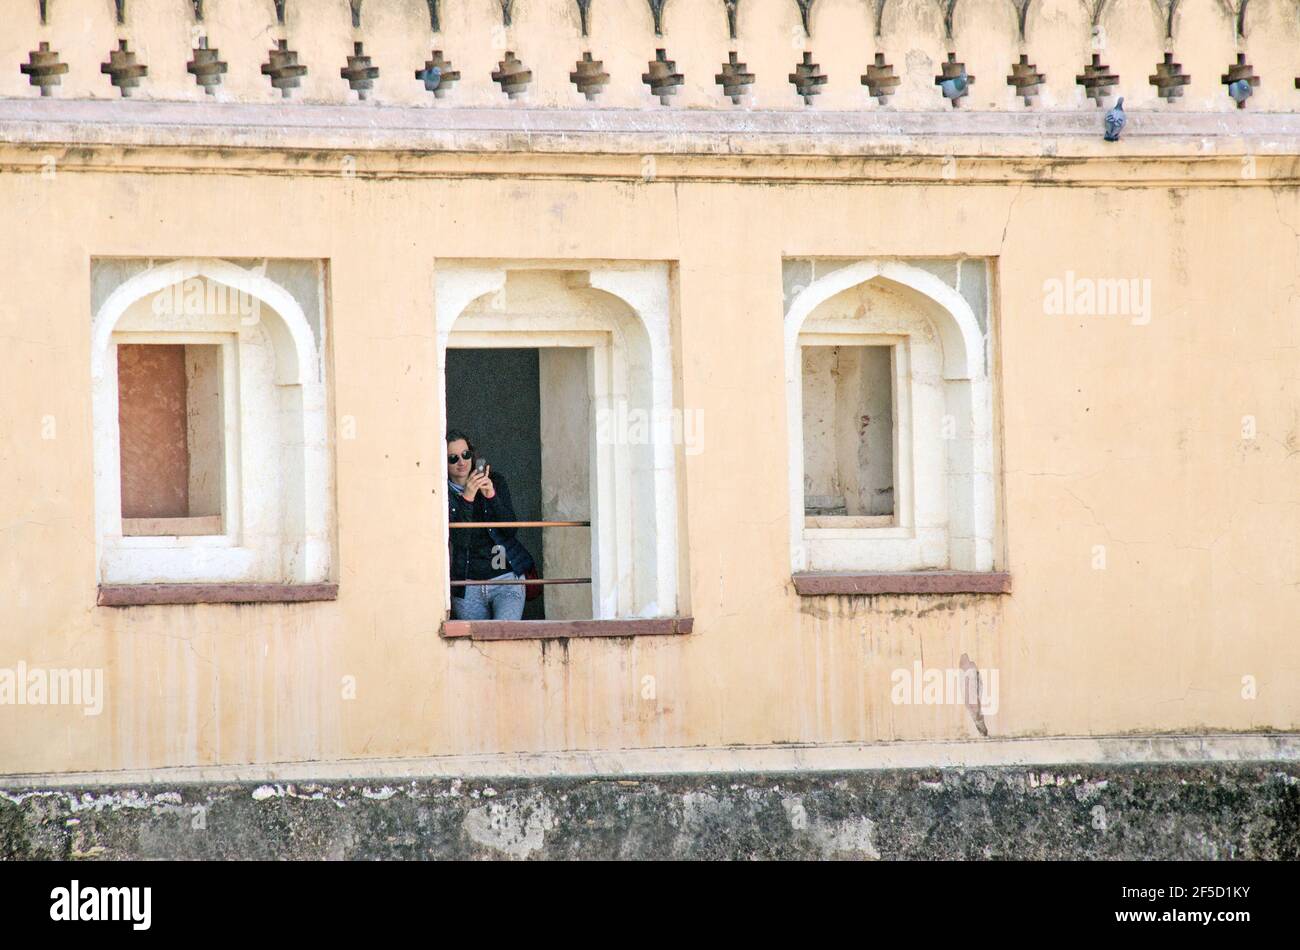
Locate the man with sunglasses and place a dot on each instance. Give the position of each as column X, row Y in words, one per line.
column 486, row 553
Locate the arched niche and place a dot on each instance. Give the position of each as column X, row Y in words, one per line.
column 276, row 517
column 943, row 514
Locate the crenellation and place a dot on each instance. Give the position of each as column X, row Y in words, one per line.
column 1056, row 55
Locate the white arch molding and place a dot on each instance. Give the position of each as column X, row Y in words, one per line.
column 278, row 520
column 643, row 291
column 963, row 344
column 950, row 519
column 301, row 345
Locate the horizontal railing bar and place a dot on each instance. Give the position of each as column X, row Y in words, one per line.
column 520, row 524
column 536, row 580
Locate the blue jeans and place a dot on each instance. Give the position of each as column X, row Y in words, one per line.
column 491, row 601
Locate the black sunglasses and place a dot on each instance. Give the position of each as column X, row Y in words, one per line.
column 466, row 455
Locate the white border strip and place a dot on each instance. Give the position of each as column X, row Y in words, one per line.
column 1065, row 751
column 886, row 133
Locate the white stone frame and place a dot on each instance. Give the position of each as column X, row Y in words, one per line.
column 644, row 290
column 296, row 547
column 944, row 519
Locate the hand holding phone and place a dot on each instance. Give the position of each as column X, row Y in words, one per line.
column 480, row 480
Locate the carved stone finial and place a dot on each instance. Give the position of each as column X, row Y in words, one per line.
column 1169, row 78
column 512, row 75
column 1097, row 80
column 953, row 80
column 283, row 68
column 359, row 72
column 124, row 72
column 735, row 78
column 880, row 79
column 437, row 75
column 1026, row 79
column 1240, row 80
column 206, row 67
column 662, row 77
column 589, row 76
column 806, row 78
column 43, row 69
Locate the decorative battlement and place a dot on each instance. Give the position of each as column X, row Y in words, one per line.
column 828, row 55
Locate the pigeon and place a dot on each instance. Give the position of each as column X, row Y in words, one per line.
column 955, row 87
column 1115, row 120
column 1240, row 91
column 431, row 76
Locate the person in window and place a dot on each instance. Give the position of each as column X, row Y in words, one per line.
column 476, row 494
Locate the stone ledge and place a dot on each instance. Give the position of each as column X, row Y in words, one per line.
column 1045, row 150
column 633, row 131
column 141, row 595
column 804, row 758
column 563, row 629
column 833, row 583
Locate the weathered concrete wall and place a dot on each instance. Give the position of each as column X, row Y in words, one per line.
column 1131, row 812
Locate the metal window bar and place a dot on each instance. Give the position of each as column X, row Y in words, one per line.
column 522, row 524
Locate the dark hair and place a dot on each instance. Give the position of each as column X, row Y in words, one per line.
column 454, row 434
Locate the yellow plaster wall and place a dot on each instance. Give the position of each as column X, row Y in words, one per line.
column 1112, row 434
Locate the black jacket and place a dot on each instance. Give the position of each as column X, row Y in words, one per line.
column 465, row 543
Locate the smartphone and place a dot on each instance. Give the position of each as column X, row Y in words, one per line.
column 480, row 465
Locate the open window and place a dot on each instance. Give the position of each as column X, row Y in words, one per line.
column 211, row 460
column 892, row 449
column 496, row 394
column 606, row 488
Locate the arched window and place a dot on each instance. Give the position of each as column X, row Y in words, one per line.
column 211, row 448
column 890, row 414
column 609, row 445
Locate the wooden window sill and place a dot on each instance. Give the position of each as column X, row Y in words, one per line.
column 831, row 583
column 141, row 595
column 563, row 629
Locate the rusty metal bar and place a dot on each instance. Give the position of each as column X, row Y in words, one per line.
column 520, row 524
column 538, row 580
